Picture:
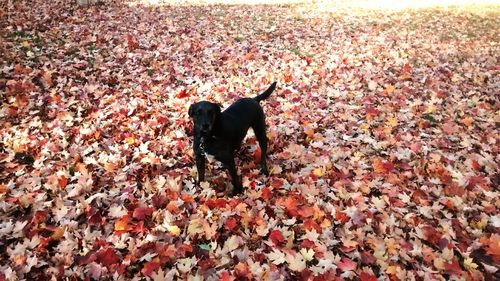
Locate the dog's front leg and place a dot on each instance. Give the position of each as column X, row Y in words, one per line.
column 200, row 167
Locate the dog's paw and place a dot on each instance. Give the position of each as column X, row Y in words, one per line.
column 237, row 190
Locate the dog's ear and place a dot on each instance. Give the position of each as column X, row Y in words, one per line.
column 191, row 109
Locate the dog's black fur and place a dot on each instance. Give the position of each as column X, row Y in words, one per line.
column 220, row 133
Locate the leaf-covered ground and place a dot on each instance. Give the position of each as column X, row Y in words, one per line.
column 383, row 142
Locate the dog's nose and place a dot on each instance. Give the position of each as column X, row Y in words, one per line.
column 205, row 126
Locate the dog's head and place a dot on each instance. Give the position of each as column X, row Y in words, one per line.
column 204, row 115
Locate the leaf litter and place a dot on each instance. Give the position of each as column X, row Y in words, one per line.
column 383, row 142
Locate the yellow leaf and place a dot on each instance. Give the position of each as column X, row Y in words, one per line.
column 430, row 109
column 58, row 233
column 326, row 223
column 481, row 224
column 392, row 269
column 174, row 230
column 469, row 264
column 390, row 89
column 130, row 140
column 392, row 122
column 468, row 121
column 25, row 44
column 318, row 172
column 439, row 263
column 195, row 227
column 364, row 127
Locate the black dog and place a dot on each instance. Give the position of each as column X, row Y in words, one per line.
column 220, row 133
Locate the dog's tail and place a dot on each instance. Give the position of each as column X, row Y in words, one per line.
column 266, row 93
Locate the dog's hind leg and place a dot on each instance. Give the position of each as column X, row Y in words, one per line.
column 231, row 167
column 259, row 129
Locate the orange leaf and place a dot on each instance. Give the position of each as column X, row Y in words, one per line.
column 172, row 207
column 382, row 167
column 63, row 181
column 122, row 224
column 257, row 154
column 467, row 121
column 150, row 267
column 287, row 78
column 494, row 246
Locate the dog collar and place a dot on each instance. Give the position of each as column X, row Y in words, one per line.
column 202, row 145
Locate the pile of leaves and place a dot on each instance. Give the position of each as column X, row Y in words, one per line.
column 383, row 142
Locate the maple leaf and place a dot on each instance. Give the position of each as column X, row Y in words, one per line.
column 122, row 224
column 231, row 224
column 150, row 267
column 132, row 43
column 185, row 265
column 346, row 264
column 364, row 276
column 295, row 261
column 276, row 257
column 142, row 213
column 225, row 276
column 308, row 254
column 107, row 257
column 276, row 237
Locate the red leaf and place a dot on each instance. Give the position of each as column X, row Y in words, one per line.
column 367, row 277
column 276, row 183
column 276, row 237
column 231, row 224
column 371, row 112
column 266, row 193
column 219, row 203
column 159, row 200
column 453, row 268
column 182, row 94
column 132, row 44
column 150, row 267
column 367, row 258
column 107, row 257
column 346, row 264
column 308, row 244
column 225, row 276
column 142, row 213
